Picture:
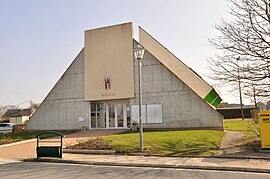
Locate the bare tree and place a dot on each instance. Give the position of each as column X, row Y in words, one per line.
column 244, row 46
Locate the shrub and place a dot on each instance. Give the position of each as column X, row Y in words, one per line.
column 96, row 143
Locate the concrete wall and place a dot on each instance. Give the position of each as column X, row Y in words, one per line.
column 109, row 54
column 176, row 66
column 65, row 103
column 182, row 107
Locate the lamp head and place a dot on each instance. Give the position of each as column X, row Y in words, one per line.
column 139, row 52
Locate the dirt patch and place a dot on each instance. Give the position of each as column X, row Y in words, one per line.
column 237, row 144
column 232, row 139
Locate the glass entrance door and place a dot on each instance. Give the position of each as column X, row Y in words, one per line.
column 97, row 115
column 108, row 115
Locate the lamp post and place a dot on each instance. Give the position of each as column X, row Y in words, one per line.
column 138, row 53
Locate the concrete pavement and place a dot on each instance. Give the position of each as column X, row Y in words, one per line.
column 26, row 151
column 224, row 164
column 19, row 150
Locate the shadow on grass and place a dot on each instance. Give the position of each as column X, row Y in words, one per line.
column 183, row 148
column 169, row 143
column 159, row 131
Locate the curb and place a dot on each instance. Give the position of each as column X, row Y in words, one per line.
column 112, row 152
column 16, row 143
column 96, row 152
column 195, row 156
column 218, row 168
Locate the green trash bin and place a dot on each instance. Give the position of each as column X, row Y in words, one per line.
column 53, row 146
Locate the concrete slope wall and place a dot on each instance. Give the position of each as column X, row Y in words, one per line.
column 182, row 107
column 65, row 103
column 188, row 76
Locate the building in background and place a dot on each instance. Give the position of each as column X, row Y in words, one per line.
column 2, row 112
column 99, row 90
column 17, row 116
column 233, row 111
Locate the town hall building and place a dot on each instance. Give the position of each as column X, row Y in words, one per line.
column 99, row 90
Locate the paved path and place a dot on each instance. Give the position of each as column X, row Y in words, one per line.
column 27, row 149
column 71, row 139
column 19, row 151
column 251, row 165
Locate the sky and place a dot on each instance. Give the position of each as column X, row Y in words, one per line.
column 39, row 39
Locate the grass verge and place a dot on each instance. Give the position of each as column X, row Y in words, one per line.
column 247, row 126
column 168, row 143
column 15, row 137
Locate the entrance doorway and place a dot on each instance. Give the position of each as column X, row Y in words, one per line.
column 108, row 115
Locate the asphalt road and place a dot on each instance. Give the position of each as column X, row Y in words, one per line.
column 55, row 170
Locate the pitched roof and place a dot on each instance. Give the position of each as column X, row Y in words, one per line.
column 176, row 66
column 17, row 112
column 1, row 113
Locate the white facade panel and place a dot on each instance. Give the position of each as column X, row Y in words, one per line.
column 154, row 113
column 135, row 113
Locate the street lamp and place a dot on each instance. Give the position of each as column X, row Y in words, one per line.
column 138, row 53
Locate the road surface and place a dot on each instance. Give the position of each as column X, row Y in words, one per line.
column 60, row 170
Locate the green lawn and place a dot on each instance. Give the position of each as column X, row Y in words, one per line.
column 173, row 143
column 176, row 143
column 247, row 126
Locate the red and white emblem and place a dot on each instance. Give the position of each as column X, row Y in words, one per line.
column 107, row 83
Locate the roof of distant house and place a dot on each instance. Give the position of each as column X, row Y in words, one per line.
column 17, row 112
column 1, row 113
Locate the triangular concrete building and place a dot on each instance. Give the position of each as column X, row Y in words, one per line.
column 100, row 89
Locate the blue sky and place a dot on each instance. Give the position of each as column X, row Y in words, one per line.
column 39, row 39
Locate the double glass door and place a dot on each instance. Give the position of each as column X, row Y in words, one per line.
column 108, row 115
